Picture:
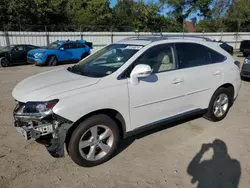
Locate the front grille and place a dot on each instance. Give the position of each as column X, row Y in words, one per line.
column 29, row 60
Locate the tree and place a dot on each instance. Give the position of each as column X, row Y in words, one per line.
column 123, row 15
column 181, row 9
column 220, row 8
column 35, row 12
column 3, row 12
column 239, row 14
column 95, row 15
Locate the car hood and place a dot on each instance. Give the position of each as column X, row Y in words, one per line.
column 43, row 86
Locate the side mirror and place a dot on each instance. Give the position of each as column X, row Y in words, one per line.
column 140, row 71
column 61, row 49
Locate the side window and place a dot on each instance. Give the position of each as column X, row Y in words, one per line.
column 160, row 58
column 192, row 55
column 74, row 45
column 31, row 47
column 18, row 48
column 66, row 46
column 216, row 57
column 80, row 45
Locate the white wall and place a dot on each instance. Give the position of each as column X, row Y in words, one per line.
column 101, row 39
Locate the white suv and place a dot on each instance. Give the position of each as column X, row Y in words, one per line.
column 126, row 86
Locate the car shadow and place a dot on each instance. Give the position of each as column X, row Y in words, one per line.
column 125, row 143
column 240, row 56
column 16, row 65
column 220, row 171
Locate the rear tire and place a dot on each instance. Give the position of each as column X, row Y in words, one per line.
column 4, row 62
column 84, row 55
column 219, row 105
column 88, row 146
column 51, row 61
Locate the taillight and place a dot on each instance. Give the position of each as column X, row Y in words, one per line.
column 237, row 63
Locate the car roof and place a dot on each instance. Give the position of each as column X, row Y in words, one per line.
column 145, row 40
column 22, row 45
column 68, row 41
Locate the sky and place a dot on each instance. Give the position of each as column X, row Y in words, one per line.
column 112, row 3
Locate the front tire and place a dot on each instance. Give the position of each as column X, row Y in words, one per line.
column 219, row 105
column 94, row 141
column 4, row 62
column 51, row 61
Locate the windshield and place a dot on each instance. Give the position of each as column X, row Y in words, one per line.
column 105, row 61
column 53, row 45
column 7, row 48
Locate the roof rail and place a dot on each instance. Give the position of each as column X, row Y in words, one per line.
column 165, row 37
column 189, row 36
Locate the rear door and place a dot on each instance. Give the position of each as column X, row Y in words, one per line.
column 160, row 95
column 202, row 72
column 77, row 49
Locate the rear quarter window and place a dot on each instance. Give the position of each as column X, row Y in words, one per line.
column 216, row 57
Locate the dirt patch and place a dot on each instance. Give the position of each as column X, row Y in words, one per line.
column 158, row 158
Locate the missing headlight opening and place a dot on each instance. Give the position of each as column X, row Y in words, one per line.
column 42, row 125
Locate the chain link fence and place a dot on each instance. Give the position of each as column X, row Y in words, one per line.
column 41, row 35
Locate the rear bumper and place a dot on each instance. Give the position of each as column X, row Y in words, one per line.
column 244, row 49
column 245, row 70
column 245, row 74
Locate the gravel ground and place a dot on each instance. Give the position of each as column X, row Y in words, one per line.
column 157, row 158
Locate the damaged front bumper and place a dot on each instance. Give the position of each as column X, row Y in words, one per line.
column 50, row 130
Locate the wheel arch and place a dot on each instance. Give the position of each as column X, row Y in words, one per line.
column 49, row 55
column 228, row 86
column 114, row 114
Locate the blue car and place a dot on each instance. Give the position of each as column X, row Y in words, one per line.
column 60, row 51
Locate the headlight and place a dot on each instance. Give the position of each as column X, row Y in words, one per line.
column 37, row 109
column 39, row 54
column 247, row 61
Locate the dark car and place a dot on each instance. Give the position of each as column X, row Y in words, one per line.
column 15, row 54
column 245, row 70
column 245, row 47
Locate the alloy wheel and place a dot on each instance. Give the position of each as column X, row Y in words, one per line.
column 96, row 142
column 221, row 105
column 4, row 62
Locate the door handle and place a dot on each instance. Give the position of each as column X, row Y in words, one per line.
column 217, row 73
column 177, row 81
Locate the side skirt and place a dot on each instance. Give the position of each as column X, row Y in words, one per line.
column 166, row 121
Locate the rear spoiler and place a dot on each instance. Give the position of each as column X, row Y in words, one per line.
column 89, row 44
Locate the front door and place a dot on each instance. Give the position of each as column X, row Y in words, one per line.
column 65, row 54
column 18, row 54
column 159, row 95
